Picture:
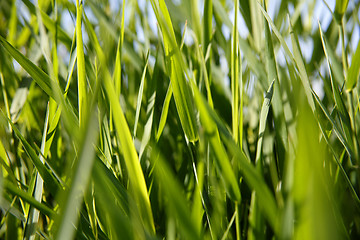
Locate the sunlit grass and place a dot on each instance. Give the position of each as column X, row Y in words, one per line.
column 129, row 128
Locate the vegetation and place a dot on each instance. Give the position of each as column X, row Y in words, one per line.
column 217, row 122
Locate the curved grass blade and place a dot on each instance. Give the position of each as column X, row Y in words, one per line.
column 137, row 180
column 41, row 78
column 277, row 105
column 29, row 199
column 140, row 95
column 49, row 179
column 250, row 174
column 221, row 158
column 176, row 203
column 181, row 91
column 112, row 203
column 256, row 218
column 164, row 112
column 340, row 105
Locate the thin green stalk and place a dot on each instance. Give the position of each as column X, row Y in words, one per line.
column 80, row 64
column 235, row 75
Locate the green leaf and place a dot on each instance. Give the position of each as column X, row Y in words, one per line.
column 49, row 179
column 82, row 92
column 354, row 70
column 29, row 199
column 137, row 180
column 221, row 158
column 81, row 174
column 177, row 203
column 164, row 112
column 41, row 78
column 340, row 8
column 251, row 175
column 181, row 91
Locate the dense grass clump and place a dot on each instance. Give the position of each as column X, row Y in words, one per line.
column 157, row 119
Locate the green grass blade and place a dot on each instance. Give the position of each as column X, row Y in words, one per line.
column 221, row 158
column 81, row 175
column 181, row 91
column 207, row 32
column 164, row 112
column 29, row 199
column 251, row 176
column 41, row 78
column 340, row 8
column 82, row 102
column 340, row 105
column 137, row 181
column 235, row 90
column 335, row 126
column 263, row 116
column 46, row 175
column 38, row 190
column 301, row 67
column 354, row 70
column 277, row 105
column 256, row 218
column 140, row 95
column 112, row 208
column 177, row 204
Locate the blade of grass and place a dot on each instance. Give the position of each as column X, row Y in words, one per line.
column 256, row 219
column 277, row 105
column 340, row 106
column 235, row 75
column 140, row 95
column 81, row 174
column 164, row 112
column 41, row 78
column 181, row 91
column 177, row 204
column 251, row 176
column 220, row 156
column 207, row 32
column 49, row 179
column 38, row 190
column 137, row 181
column 82, row 102
column 354, row 70
column 29, row 199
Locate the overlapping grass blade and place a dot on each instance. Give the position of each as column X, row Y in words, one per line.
column 177, row 204
column 340, row 105
column 181, row 91
column 81, row 174
column 137, row 181
column 112, row 208
column 251, row 176
column 220, row 156
column 38, row 188
column 256, row 218
column 29, row 199
column 54, row 186
column 41, row 78
column 277, row 105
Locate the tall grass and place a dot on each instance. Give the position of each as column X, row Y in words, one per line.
column 179, row 120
